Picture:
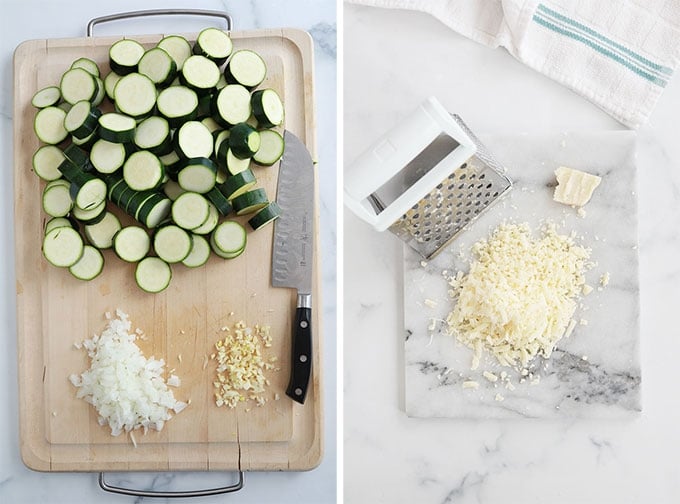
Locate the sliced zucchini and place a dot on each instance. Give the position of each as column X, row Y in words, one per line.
column 101, row 92
column 200, row 74
column 232, row 105
column 172, row 243
column 236, row 165
column 210, row 223
column 133, row 201
column 246, row 68
column 229, row 237
column 190, row 210
column 82, row 119
column 266, row 215
column 87, row 191
column 214, row 44
column 56, row 222
column 124, row 56
column 77, row 156
column 86, row 64
column 271, row 148
column 56, row 200
column 91, row 216
column 251, row 201
column 101, row 234
column 86, row 143
column 178, row 104
column 131, row 243
column 110, row 82
column 220, row 201
column 220, row 137
column 244, row 141
column 49, row 125
column 177, row 47
column 143, row 171
column 173, row 190
column 62, row 247
column 238, row 184
column 200, row 252
column 78, row 84
column 153, row 134
column 154, row 211
column 172, row 164
column 46, row 161
column 158, row 66
column 135, row 95
column 220, row 253
column 117, row 128
column 153, row 274
column 107, row 157
column 197, row 175
column 46, row 97
column 267, row 108
column 89, row 266
column 193, row 140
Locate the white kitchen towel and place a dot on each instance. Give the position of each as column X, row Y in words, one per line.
column 620, row 54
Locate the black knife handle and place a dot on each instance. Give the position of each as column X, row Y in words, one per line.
column 301, row 366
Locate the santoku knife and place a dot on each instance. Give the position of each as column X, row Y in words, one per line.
column 293, row 254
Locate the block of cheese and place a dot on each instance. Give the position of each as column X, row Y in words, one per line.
column 574, row 187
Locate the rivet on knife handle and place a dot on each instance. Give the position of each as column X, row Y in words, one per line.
column 301, row 364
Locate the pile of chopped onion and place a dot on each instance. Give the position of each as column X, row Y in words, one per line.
column 127, row 390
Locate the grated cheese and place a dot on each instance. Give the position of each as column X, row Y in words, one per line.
column 519, row 296
column 471, row 384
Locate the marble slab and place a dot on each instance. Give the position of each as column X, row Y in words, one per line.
column 596, row 371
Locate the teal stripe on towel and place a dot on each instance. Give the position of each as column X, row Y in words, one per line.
column 561, row 17
column 600, row 49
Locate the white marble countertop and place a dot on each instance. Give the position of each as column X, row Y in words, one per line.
column 393, row 60
column 33, row 19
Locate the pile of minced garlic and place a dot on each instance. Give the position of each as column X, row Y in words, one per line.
column 519, row 297
column 241, row 365
column 127, row 390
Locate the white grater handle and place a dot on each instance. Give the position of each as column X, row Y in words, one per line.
column 395, row 150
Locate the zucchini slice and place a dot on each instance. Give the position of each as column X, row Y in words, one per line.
column 46, row 161
column 143, row 171
column 101, row 92
column 158, row 66
column 246, row 68
column 200, row 74
column 56, row 222
column 46, row 97
column 172, row 243
column 251, row 201
column 154, row 211
column 232, row 105
column 190, row 210
column 117, row 128
column 228, row 238
column 110, row 82
column 153, row 274
column 238, row 184
column 101, row 234
column 87, row 191
column 236, row 165
column 267, row 108
column 49, row 125
column 177, row 47
column 197, row 175
column 210, row 223
column 200, row 252
column 153, row 134
column 90, row 264
column 178, row 104
column 107, row 157
column 214, row 44
column 131, row 243
column 82, row 119
column 78, row 84
column 135, row 95
column 56, row 200
column 63, row 247
column 244, row 141
column 266, row 215
column 124, row 56
column 220, row 201
column 271, row 148
column 88, row 65
column 193, row 140
column 90, row 216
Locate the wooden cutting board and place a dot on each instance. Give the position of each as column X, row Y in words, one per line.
column 54, row 310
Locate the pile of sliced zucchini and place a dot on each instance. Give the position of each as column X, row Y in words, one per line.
column 169, row 136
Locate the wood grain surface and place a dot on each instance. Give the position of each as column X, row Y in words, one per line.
column 54, row 310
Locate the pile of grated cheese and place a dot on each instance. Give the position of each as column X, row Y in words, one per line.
column 520, row 295
column 127, row 390
column 241, row 365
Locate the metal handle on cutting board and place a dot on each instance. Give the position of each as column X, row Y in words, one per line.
column 159, row 12
column 187, row 493
column 102, row 479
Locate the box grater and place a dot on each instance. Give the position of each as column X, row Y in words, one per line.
column 425, row 180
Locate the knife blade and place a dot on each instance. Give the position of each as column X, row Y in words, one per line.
column 292, row 256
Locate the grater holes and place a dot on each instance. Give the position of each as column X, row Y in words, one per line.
column 482, row 176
